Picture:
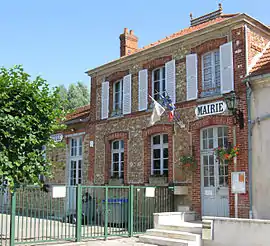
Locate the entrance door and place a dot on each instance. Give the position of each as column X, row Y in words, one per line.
column 214, row 174
column 75, row 169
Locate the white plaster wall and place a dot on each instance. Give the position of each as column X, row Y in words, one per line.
column 239, row 232
column 260, row 106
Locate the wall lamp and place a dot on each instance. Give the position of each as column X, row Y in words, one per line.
column 232, row 102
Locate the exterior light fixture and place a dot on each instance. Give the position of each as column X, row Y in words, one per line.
column 232, row 104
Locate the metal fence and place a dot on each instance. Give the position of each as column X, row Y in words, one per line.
column 31, row 216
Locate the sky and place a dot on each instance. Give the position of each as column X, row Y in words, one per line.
column 61, row 39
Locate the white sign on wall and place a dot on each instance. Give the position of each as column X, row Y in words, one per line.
column 57, row 137
column 238, row 182
column 218, row 107
column 150, row 192
column 59, row 191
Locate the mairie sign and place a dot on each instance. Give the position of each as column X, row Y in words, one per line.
column 210, row 108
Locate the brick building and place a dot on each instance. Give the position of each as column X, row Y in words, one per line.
column 197, row 66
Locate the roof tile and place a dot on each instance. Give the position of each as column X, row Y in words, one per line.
column 262, row 65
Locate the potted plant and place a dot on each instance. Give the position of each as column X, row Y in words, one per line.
column 188, row 163
column 156, row 179
column 226, row 153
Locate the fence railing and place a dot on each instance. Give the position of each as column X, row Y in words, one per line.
column 31, row 216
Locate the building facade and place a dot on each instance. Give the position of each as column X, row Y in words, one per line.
column 258, row 89
column 197, row 67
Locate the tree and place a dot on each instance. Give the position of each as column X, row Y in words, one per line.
column 29, row 113
column 75, row 96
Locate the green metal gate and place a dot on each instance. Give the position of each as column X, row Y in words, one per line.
column 32, row 216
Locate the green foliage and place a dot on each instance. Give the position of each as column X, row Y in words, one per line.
column 29, row 113
column 75, row 96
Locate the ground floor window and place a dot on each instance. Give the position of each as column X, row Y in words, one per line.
column 117, row 163
column 160, row 155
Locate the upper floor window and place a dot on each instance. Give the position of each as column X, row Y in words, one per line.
column 160, row 155
column 158, row 83
column 118, row 97
column 211, row 73
column 117, row 165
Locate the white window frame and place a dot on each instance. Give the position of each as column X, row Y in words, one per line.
column 215, row 91
column 160, row 146
column 162, row 72
column 121, row 96
column 76, row 156
column 118, row 151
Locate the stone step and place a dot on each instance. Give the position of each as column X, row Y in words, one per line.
column 192, row 227
column 173, row 218
column 174, row 234
column 166, row 241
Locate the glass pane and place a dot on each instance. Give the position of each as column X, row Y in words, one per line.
column 156, row 139
column 122, row 156
column 165, row 138
column 156, row 172
column 220, row 142
column 116, row 145
column 165, row 163
column 226, row 181
column 163, row 85
column 73, row 164
column 206, row 182
column 211, row 144
column 204, row 144
column 163, row 72
column 115, row 167
column 205, row 160
column 122, row 166
column 80, row 164
column 122, row 144
column 165, row 172
column 117, row 87
column 79, row 173
column 156, row 74
column 156, row 153
column 156, row 164
column 211, row 160
column 212, row 181
column 115, row 157
column 221, row 181
column 204, row 134
column 210, row 133
column 220, row 131
column 165, row 153
column 156, row 87
column 206, row 171
column 211, row 170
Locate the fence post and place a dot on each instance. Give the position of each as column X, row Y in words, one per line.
column 78, row 213
column 130, row 218
column 106, row 213
column 12, row 218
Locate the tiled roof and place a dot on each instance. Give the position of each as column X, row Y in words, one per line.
column 189, row 30
column 262, row 65
column 79, row 112
column 182, row 32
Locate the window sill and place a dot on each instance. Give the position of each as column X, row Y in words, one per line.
column 158, row 180
column 113, row 181
column 116, row 117
column 207, row 98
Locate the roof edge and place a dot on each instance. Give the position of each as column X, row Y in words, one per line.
column 234, row 19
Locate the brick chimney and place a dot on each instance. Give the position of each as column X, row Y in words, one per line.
column 128, row 42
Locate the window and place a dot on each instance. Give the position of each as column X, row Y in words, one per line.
column 75, row 161
column 211, row 74
column 158, row 83
column 117, row 165
column 76, row 147
column 118, row 97
column 160, row 155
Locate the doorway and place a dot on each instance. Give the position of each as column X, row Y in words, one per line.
column 214, row 173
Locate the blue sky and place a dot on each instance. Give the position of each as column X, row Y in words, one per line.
column 61, row 39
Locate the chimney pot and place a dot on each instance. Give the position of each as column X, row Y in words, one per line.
column 128, row 42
